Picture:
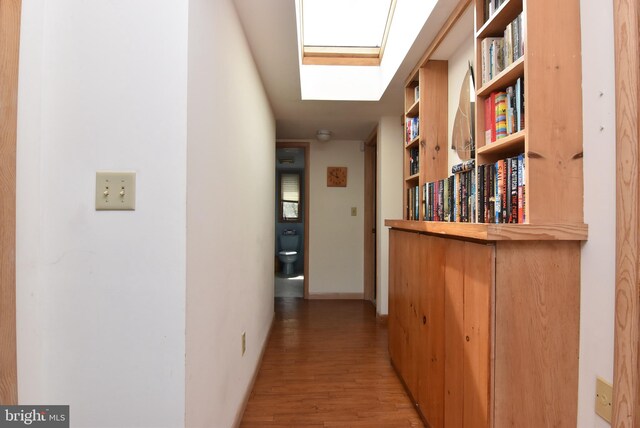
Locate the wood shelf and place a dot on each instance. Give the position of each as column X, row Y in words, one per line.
column 500, row 19
column 509, row 144
column 496, row 232
column 412, row 177
column 412, row 143
column 413, row 110
column 507, row 77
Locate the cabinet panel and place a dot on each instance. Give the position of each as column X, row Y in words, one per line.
column 403, row 311
column 395, row 266
column 537, row 333
column 430, row 343
column 478, row 294
column 454, row 345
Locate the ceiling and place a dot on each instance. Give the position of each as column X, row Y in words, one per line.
column 270, row 27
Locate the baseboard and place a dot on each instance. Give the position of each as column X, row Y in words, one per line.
column 382, row 319
column 247, row 394
column 336, row 296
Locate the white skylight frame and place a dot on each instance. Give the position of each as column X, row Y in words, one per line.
column 331, row 38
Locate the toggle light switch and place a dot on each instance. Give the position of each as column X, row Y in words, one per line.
column 115, row 190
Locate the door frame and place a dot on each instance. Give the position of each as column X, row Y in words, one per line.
column 9, row 50
column 626, row 391
column 370, row 217
column 302, row 145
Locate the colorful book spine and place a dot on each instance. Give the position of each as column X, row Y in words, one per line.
column 501, row 115
column 463, row 166
column 513, row 191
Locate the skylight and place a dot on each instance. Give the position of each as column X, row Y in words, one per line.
column 343, row 32
column 346, row 80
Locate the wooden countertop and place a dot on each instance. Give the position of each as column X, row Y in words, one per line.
column 496, row 232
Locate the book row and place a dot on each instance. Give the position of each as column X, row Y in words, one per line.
column 499, row 53
column 502, row 191
column 504, row 112
column 412, row 129
column 490, row 7
column 414, row 160
column 413, row 203
column 451, row 199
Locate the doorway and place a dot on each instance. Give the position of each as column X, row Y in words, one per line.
column 370, row 217
column 291, row 266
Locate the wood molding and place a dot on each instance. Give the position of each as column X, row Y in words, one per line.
column 256, row 370
column 442, row 34
column 336, row 296
column 9, row 48
column 370, row 237
column 626, row 392
column 382, row 320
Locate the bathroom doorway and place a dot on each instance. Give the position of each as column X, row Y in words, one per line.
column 291, row 258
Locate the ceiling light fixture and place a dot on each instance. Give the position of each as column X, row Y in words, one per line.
column 323, row 135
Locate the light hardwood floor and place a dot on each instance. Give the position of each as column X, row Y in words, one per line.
column 327, row 365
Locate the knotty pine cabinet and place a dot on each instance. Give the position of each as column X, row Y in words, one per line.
column 485, row 333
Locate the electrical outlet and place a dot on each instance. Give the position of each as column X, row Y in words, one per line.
column 244, row 342
column 604, row 399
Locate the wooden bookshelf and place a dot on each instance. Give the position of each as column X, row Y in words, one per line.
column 432, row 80
column 484, row 314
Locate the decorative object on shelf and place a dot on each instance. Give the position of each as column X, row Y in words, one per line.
column 336, row 176
column 323, row 135
column 463, row 126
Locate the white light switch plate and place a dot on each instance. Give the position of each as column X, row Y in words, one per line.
column 115, row 190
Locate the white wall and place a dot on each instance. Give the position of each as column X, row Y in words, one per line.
column 389, row 206
column 336, row 239
column 101, row 295
column 230, row 215
column 598, row 253
column 458, row 64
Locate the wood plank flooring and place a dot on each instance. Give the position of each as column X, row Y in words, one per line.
column 327, row 365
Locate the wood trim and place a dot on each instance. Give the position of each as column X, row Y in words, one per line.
column 442, row 34
column 256, row 370
column 340, row 52
column 369, row 262
column 387, row 27
column 340, row 60
column 336, row 296
column 307, row 196
column 9, row 49
column 496, row 232
column 626, row 392
column 382, row 319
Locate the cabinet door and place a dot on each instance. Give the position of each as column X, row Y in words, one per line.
column 431, row 369
column 454, row 339
column 404, row 277
column 467, row 307
column 479, row 282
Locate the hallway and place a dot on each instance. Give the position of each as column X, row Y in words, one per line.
column 327, row 365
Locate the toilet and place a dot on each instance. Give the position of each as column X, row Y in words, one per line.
column 288, row 253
